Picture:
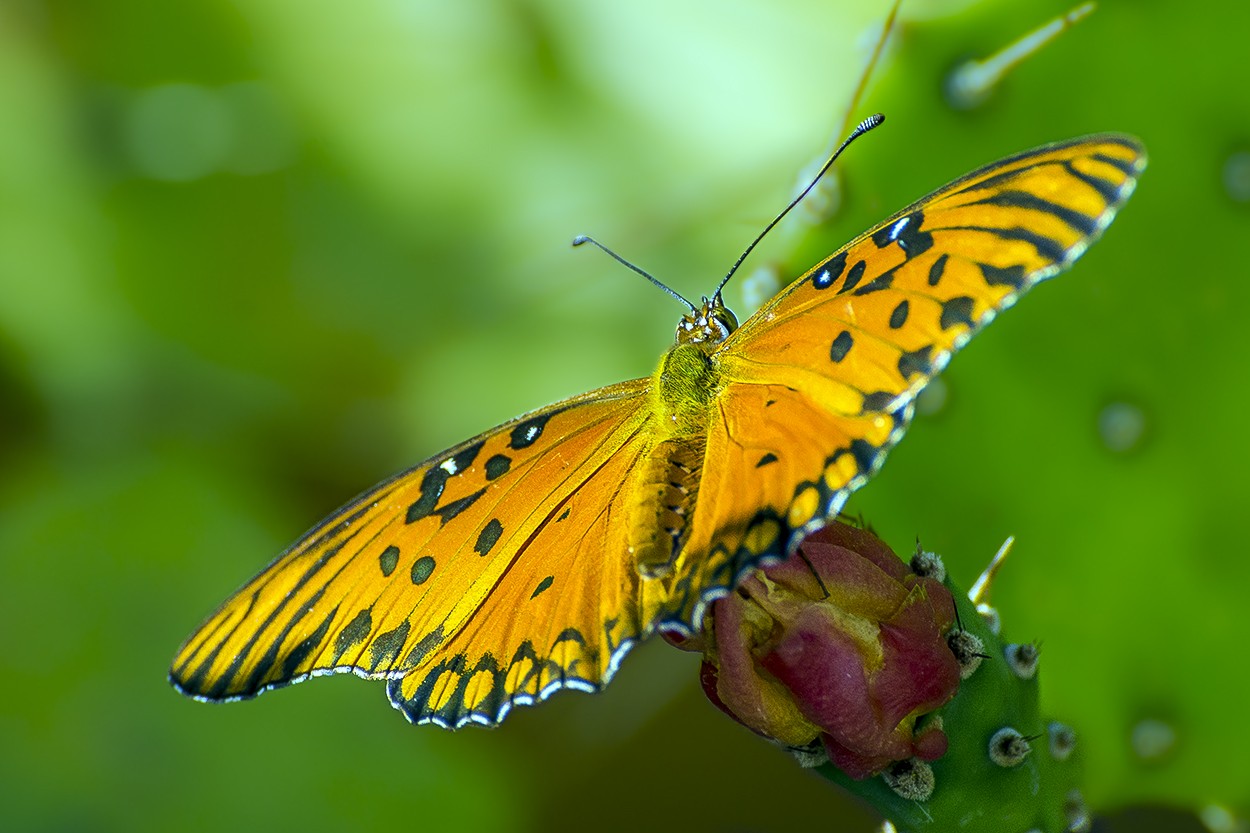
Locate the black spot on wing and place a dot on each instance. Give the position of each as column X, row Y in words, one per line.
column 884, row 236
column 865, row 454
column 906, row 231
column 1012, row 276
column 388, row 560
column 826, row 273
column 454, row 508
column 766, row 459
column 899, row 316
column 883, row 281
column 916, row 361
column 422, row 569
column 432, row 484
column 386, row 647
column 353, row 633
column 542, row 585
column 465, row 457
column 877, row 401
column 936, row 270
column 841, row 346
column 854, row 276
column 914, row 241
column 488, row 537
column 498, row 466
column 435, row 480
column 563, row 515
column 524, row 434
column 957, row 311
column 1023, row 199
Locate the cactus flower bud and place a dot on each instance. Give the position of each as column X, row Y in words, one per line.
column 839, row 644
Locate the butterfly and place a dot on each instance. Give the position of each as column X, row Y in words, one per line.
column 532, row 557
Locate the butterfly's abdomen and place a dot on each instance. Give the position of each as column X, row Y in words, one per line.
column 666, row 481
column 667, row 486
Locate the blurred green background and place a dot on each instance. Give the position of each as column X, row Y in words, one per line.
column 256, row 256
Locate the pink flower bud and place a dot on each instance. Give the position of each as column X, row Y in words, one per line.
column 839, row 643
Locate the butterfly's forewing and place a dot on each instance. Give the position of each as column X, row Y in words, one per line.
column 474, row 581
column 818, row 384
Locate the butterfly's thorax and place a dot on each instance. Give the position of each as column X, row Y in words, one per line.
column 666, row 481
column 683, row 386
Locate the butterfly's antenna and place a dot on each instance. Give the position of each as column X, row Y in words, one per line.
column 580, row 239
column 860, row 129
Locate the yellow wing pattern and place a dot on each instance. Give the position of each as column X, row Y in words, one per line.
column 396, row 584
column 503, row 570
column 818, row 385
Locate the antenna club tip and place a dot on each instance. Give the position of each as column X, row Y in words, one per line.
column 580, row 239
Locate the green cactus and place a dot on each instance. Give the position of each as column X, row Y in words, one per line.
column 1009, row 768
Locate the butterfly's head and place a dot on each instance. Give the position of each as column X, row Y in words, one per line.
column 711, row 323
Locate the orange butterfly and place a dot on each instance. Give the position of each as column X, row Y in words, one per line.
column 532, row 557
